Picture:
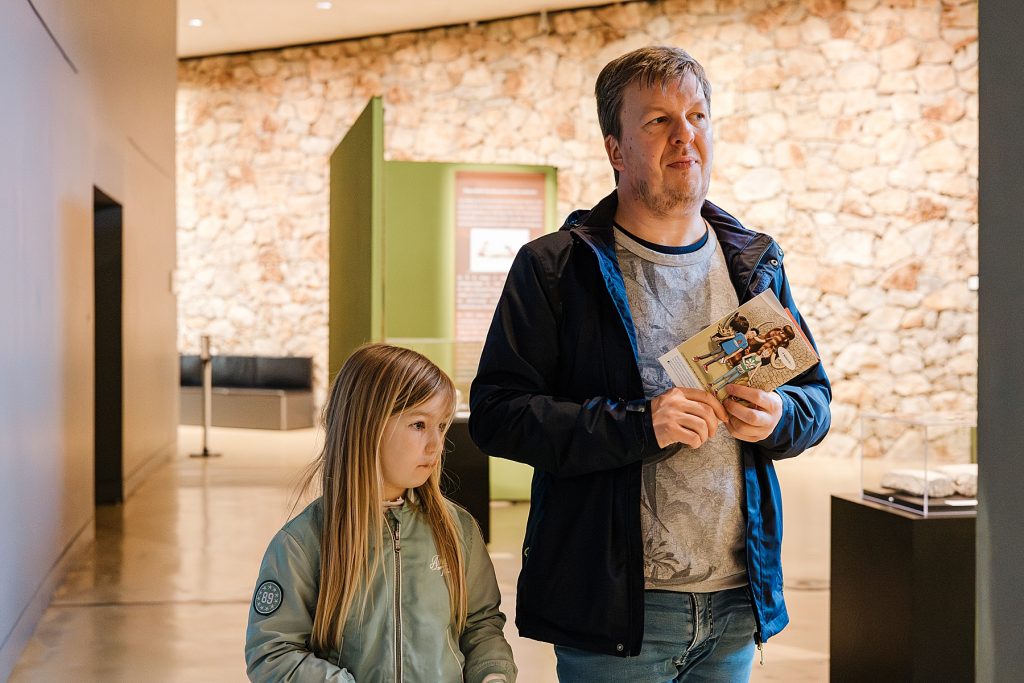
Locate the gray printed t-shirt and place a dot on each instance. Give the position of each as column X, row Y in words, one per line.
column 692, row 499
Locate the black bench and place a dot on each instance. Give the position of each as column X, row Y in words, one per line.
column 257, row 392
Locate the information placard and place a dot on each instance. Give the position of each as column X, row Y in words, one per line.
column 495, row 214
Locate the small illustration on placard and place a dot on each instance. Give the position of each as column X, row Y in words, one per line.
column 491, row 250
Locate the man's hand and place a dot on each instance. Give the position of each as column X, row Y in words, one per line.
column 686, row 416
column 752, row 424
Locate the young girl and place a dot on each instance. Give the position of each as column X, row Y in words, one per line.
column 380, row 578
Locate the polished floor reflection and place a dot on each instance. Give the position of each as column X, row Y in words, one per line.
column 163, row 594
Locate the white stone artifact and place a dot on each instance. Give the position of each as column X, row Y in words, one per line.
column 916, row 482
column 965, row 477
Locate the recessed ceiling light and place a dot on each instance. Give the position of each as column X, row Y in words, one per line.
column 324, row 4
column 195, row 23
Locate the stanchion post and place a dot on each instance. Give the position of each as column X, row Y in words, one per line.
column 206, row 361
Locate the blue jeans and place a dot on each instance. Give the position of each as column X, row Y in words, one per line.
column 691, row 637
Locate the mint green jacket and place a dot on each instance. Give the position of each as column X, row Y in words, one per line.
column 405, row 634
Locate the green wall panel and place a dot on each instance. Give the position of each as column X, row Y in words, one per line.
column 419, row 271
column 355, row 237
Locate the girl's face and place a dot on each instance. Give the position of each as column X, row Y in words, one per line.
column 412, row 445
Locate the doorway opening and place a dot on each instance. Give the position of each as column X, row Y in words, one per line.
column 109, row 407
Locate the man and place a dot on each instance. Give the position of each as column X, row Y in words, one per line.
column 653, row 545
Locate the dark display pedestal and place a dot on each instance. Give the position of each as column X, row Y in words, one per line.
column 902, row 595
column 466, row 478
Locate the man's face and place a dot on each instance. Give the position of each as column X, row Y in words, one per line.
column 664, row 153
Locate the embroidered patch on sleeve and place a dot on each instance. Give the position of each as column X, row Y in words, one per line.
column 268, row 598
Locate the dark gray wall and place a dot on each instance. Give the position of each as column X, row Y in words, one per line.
column 1000, row 655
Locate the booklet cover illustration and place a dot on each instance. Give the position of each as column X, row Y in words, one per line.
column 759, row 344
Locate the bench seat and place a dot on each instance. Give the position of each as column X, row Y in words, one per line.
column 253, row 392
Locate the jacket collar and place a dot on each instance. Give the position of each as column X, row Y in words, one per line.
column 742, row 248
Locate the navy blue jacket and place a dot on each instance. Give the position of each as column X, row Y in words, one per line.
column 559, row 389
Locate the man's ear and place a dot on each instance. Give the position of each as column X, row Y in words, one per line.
column 614, row 151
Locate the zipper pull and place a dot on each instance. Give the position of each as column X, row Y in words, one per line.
column 760, row 644
column 397, row 534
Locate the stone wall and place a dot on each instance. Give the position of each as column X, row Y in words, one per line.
column 845, row 129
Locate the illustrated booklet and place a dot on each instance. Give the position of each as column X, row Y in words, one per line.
column 759, row 344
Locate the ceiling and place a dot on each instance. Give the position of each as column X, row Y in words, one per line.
column 241, row 25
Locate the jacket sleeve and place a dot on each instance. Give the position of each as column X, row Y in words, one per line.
column 515, row 412
column 276, row 644
column 482, row 642
column 806, row 415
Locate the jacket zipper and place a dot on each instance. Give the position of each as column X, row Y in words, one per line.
column 397, row 544
column 750, row 589
column 627, row 645
column 757, row 623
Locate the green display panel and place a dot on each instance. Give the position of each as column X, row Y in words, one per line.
column 355, row 308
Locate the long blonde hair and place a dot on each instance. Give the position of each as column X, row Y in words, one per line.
column 377, row 382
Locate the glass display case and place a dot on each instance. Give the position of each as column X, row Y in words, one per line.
column 922, row 464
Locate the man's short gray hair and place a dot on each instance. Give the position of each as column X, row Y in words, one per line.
column 649, row 67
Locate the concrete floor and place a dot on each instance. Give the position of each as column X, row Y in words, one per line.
column 163, row 595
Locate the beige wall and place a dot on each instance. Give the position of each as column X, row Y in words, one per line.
column 109, row 125
column 845, row 129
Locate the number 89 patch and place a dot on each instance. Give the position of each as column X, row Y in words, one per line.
column 268, row 598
